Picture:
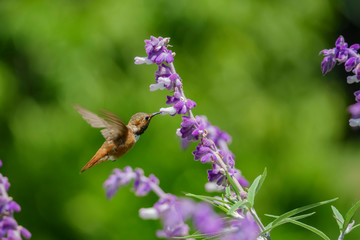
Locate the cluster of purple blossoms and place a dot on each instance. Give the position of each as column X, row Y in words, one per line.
column 142, row 185
column 156, row 49
column 212, row 147
column 351, row 59
column 174, row 212
column 9, row 228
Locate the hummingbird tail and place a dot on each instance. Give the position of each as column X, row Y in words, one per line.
column 99, row 157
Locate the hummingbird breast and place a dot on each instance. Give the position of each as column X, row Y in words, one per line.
column 121, row 147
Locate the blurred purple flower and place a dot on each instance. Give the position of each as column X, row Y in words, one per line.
column 355, row 112
column 9, row 228
column 142, row 187
column 243, row 229
column 206, row 220
column 118, row 179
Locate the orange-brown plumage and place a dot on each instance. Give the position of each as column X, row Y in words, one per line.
column 120, row 138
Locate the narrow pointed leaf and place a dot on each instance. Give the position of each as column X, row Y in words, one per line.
column 357, row 225
column 192, row 236
column 293, row 218
column 236, row 206
column 228, row 191
column 211, row 200
column 350, row 214
column 252, row 191
column 232, row 183
column 262, row 179
column 286, row 220
column 206, row 198
column 296, row 211
column 310, row 228
column 338, row 217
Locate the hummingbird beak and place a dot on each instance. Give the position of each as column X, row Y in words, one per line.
column 154, row 114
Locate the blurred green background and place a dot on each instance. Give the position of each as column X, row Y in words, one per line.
column 252, row 67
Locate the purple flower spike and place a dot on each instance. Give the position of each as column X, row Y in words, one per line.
column 351, row 59
column 341, row 54
column 9, row 228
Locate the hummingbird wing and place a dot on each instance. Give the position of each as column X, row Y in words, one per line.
column 114, row 128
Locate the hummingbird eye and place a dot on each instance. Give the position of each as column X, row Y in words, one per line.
column 147, row 118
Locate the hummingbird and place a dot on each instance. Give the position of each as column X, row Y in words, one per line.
column 119, row 138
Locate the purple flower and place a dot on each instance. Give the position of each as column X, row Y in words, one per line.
column 170, row 82
column 341, row 54
column 9, row 228
column 170, row 213
column 188, row 126
column 163, row 71
column 175, row 98
column 355, row 112
column 350, row 57
column 206, row 220
column 327, row 64
column 357, row 96
column 183, row 106
column 142, row 185
column 180, row 104
column 157, row 51
column 243, row 229
column 204, row 151
column 118, row 179
column 217, row 174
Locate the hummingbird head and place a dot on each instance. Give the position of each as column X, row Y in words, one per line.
column 140, row 121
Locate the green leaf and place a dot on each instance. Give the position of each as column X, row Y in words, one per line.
column 294, row 218
column 228, row 191
column 236, row 206
column 252, row 191
column 310, row 228
column 339, row 218
column 206, row 198
column 286, row 220
column 192, row 236
column 294, row 212
column 262, row 179
column 232, row 183
column 210, row 200
column 350, row 214
column 357, row 225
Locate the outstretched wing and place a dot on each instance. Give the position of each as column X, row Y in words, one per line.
column 117, row 129
column 114, row 128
